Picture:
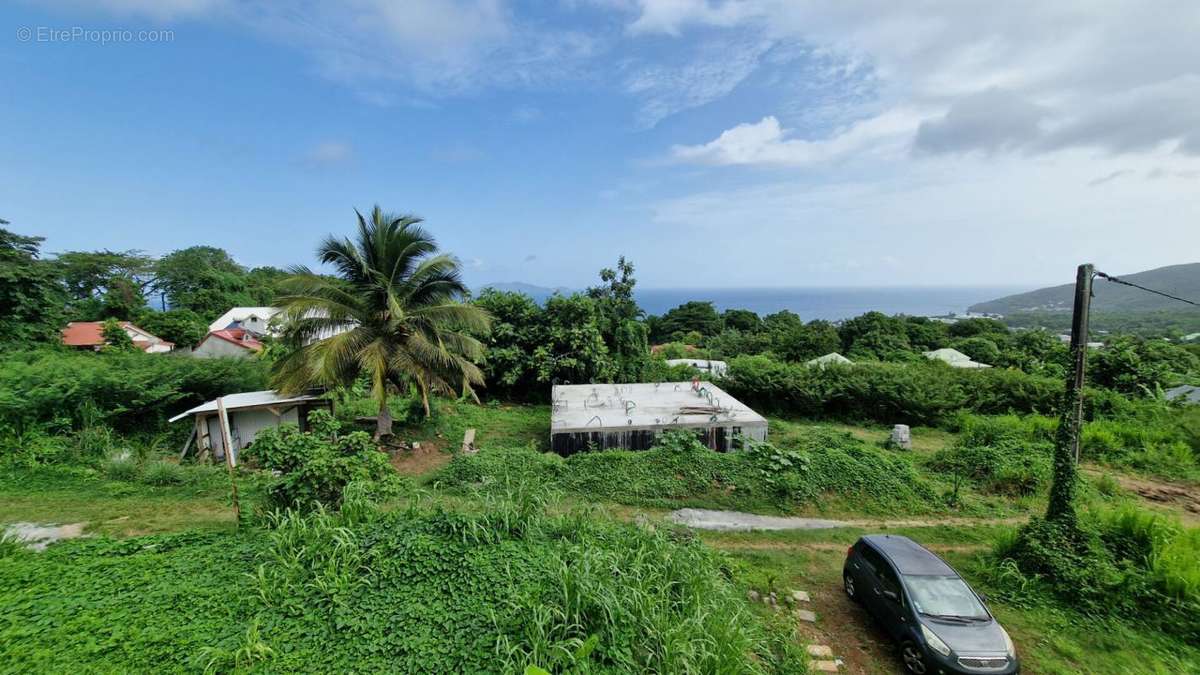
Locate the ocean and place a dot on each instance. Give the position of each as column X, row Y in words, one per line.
column 829, row 303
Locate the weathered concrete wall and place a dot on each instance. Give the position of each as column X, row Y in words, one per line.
column 719, row 438
column 214, row 347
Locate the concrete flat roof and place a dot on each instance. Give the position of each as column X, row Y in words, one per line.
column 647, row 405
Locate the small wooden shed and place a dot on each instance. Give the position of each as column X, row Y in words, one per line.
column 249, row 413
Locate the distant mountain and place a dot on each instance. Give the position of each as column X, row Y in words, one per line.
column 538, row 293
column 1181, row 280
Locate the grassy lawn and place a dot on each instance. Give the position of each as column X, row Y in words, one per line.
column 116, row 508
column 1050, row 638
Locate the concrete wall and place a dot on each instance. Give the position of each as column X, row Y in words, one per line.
column 244, row 425
column 719, row 438
column 213, row 347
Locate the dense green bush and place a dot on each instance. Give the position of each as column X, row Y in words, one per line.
column 314, row 467
column 120, row 466
column 133, row 391
column 1126, row 562
column 410, row 591
column 162, row 473
column 680, row 470
column 919, row 393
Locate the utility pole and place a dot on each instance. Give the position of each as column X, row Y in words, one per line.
column 1066, row 450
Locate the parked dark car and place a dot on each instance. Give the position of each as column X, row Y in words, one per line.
column 940, row 623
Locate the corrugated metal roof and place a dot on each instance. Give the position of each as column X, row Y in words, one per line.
column 248, row 399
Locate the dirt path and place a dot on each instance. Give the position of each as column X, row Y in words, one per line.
column 1182, row 498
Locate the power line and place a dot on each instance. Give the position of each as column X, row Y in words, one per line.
column 1115, row 280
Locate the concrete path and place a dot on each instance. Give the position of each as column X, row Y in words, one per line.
column 734, row 521
column 38, row 537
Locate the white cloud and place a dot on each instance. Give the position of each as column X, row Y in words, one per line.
column 948, row 219
column 441, row 47
column 670, row 16
column 766, row 142
column 1121, row 76
column 158, row 10
column 709, row 71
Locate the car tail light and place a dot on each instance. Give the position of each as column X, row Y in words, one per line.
column 850, row 550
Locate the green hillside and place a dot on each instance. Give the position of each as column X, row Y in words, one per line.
column 1181, row 280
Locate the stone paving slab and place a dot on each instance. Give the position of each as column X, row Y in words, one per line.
column 825, row 666
column 806, row 615
column 820, row 651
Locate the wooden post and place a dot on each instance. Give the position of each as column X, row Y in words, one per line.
column 1066, row 451
column 188, row 445
column 230, row 461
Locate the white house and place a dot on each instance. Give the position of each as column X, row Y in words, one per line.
column 954, row 358
column 90, row 335
column 714, row 368
column 832, row 358
column 249, row 413
column 254, row 319
column 237, row 343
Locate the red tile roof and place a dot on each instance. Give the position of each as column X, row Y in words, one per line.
column 238, row 336
column 90, row 334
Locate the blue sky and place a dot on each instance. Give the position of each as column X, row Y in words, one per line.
column 715, row 143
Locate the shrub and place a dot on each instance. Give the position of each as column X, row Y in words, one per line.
column 679, row 470
column 1127, row 562
column 162, row 473
column 316, row 466
column 917, row 393
column 31, row 448
column 127, row 391
column 120, row 466
column 1004, row 454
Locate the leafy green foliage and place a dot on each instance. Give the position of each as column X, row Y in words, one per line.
column 315, row 466
column 503, row 589
column 115, row 337
column 183, row 327
column 682, row 471
column 696, row 316
column 120, row 466
column 29, row 292
column 162, row 473
column 1126, row 562
column 125, row 390
column 914, row 394
column 1005, row 466
column 531, row 347
column 395, row 313
column 1138, row 366
column 204, row 279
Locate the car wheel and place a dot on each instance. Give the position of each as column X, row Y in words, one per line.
column 851, row 589
column 914, row 659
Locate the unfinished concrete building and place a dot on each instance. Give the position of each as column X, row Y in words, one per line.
column 631, row 416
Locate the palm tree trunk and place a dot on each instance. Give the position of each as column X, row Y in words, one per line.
column 383, row 423
column 425, row 397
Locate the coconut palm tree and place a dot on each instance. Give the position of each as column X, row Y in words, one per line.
column 394, row 311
